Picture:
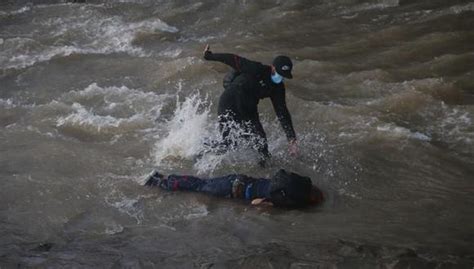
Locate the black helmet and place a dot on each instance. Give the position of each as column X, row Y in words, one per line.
column 283, row 66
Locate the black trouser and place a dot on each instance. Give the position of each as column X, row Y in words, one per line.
column 237, row 111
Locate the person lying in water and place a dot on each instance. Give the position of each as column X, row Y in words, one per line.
column 284, row 189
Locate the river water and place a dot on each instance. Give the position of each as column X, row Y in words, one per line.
column 95, row 95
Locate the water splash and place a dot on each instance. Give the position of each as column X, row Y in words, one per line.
column 191, row 135
column 185, row 131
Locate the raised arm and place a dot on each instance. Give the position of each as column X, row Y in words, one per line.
column 240, row 64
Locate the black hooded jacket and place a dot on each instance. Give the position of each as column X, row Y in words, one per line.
column 256, row 78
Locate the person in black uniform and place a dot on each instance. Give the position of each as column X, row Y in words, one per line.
column 243, row 88
column 284, row 189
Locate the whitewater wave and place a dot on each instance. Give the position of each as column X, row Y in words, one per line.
column 109, row 111
column 88, row 120
column 432, row 14
column 16, row 11
column 7, row 103
column 84, row 32
column 401, row 132
column 457, row 9
column 454, row 126
column 381, row 4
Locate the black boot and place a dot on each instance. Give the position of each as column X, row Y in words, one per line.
column 154, row 179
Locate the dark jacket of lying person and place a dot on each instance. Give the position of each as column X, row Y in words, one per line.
column 284, row 189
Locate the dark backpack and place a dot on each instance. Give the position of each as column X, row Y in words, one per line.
column 290, row 189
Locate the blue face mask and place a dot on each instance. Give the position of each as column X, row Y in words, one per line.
column 276, row 78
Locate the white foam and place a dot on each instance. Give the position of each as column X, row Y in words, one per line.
column 172, row 53
column 456, row 126
column 120, row 98
column 15, row 12
column 427, row 15
column 88, row 32
column 128, row 206
column 184, row 210
column 86, row 119
column 8, row 103
column 32, row 57
column 381, row 4
column 461, row 8
column 197, row 212
column 398, row 131
column 121, row 109
column 113, row 228
column 117, row 36
column 21, row 10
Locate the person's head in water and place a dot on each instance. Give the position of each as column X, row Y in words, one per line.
column 281, row 68
column 316, row 196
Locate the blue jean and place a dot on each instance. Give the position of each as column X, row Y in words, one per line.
column 230, row 186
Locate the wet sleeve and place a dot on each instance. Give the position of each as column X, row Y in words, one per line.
column 283, row 115
column 240, row 64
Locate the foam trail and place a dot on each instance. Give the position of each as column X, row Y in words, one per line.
column 397, row 131
column 6, row 103
column 84, row 33
column 15, row 12
column 370, row 6
column 121, row 110
column 88, row 120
